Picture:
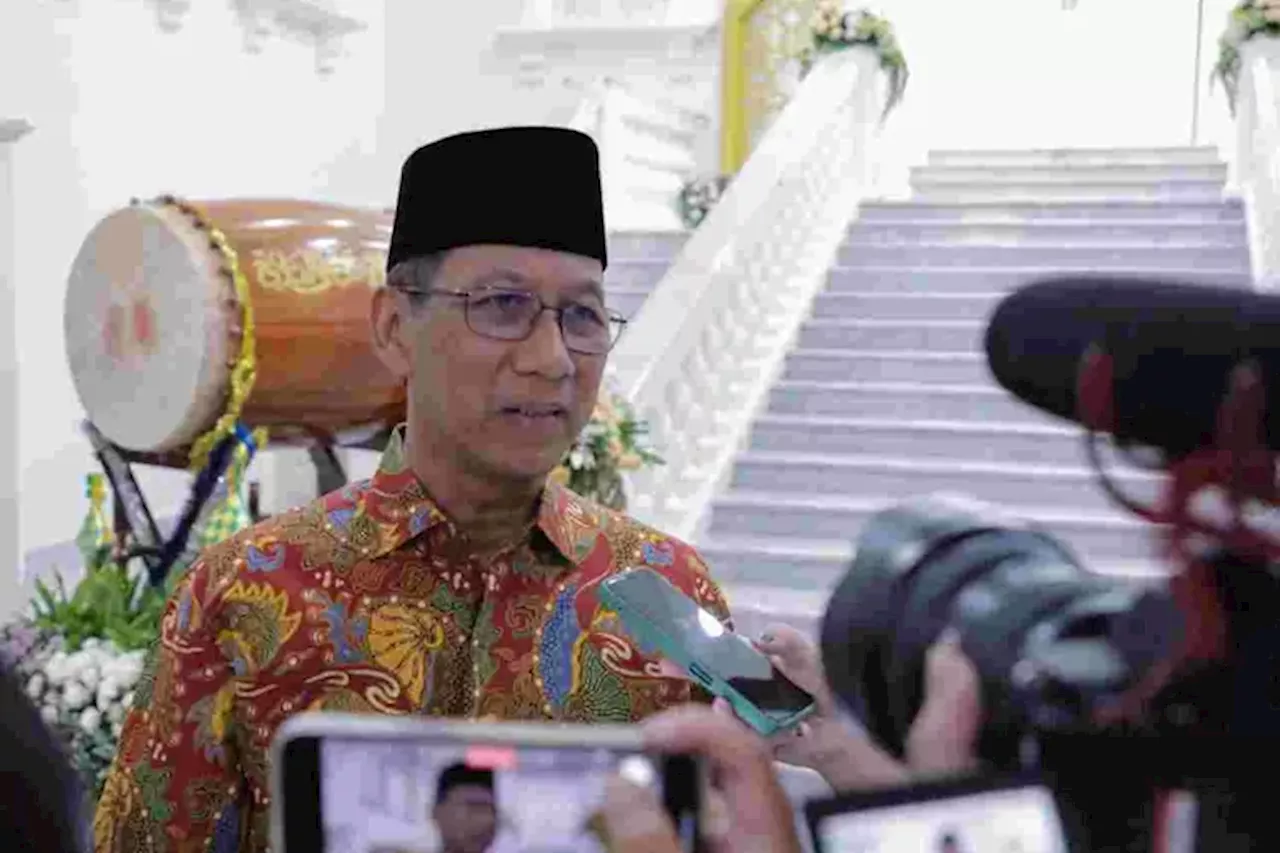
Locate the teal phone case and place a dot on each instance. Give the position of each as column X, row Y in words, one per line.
column 645, row 630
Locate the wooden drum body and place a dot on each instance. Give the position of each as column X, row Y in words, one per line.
column 171, row 305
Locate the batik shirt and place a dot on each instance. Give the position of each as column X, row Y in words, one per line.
column 368, row 601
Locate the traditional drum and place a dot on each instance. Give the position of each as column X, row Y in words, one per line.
column 184, row 317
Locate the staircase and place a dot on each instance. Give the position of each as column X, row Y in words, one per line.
column 886, row 392
column 637, row 260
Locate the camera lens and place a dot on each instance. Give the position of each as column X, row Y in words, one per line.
column 1046, row 636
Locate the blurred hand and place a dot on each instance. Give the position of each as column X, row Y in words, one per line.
column 940, row 742
column 746, row 812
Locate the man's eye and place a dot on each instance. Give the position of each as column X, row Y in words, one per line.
column 585, row 314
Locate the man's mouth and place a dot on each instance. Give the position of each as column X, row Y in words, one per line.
column 536, row 410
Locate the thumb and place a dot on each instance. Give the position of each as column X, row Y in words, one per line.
column 634, row 821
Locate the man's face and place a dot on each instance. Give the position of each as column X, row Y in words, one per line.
column 467, row 819
column 507, row 409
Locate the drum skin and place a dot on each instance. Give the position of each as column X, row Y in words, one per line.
column 311, row 270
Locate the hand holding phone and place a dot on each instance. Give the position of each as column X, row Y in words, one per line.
column 724, row 663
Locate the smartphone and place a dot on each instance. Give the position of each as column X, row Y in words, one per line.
column 1001, row 814
column 344, row 783
column 726, row 664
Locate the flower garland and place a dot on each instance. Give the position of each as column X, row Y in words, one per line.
column 611, row 444
column 1249, row 19
column 836, row 29
column 698, row 196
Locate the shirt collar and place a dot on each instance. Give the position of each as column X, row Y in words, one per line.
column 401, row 509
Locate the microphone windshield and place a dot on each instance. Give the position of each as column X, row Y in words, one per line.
column 1174, row 347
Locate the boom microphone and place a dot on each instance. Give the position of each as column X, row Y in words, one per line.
column 1173, row 346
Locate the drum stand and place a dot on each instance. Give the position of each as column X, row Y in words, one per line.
column 135, row 526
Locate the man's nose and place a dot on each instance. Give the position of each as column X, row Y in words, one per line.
column 544, row 352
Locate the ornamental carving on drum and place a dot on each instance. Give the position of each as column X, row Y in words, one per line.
column 309, row 271
column 129, row 332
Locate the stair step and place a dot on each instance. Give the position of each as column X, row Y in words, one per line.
column 921, row 305
column 816, row 566
column 1177, row 156
column 828, row 331
column 1211, row 211
column 1160, row 174
column 904, row 400
column 635, row 274
column 898, row 478
column 1060, row 231
column 942, row 368
column 1017, row 443
column 1039, row 192
column 626, row 301
column 1135, row 256
column 971, row 279
column 645, row 245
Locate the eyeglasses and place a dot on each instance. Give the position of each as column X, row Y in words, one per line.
column 511, row 315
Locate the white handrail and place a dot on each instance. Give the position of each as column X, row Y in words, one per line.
column 708, row 342
column 1258, row 154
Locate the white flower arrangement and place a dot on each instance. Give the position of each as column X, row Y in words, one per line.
column 83, row 695
column 1249, row 19
column 698, row 196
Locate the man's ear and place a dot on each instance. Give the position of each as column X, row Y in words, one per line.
column 388, row 316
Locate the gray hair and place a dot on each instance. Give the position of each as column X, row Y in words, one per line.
column 414, row 275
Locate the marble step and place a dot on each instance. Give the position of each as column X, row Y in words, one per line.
column 1075, row 157
column 903, row 400
column 1020, row 443
column 1022, row 191
column 1210, row 211
column 794, row 578
column 1067, row 232
column 1133, row 257
column 842, row 365
column 865, row 476
column 645, row 245
column 1068, row 173
column 829, row 329
column 919, row 277
column 907, row 305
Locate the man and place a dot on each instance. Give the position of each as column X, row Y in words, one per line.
column 465, row 814
column 458, row 581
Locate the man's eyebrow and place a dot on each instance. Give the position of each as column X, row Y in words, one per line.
column 588, row 286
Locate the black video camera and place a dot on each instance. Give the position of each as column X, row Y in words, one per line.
column 1124, row 691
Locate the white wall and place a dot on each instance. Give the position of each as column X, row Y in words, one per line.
column 1026, row 73
column 125, row 110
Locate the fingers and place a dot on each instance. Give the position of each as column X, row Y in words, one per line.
column 944, row 736
column 669, row 669
column 743, row 767
column 799, row 660
column 634, row 820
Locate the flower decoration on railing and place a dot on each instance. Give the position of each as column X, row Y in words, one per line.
column 1249, row 19
column 837, row 29
column 699, row 196
column 611, row 444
